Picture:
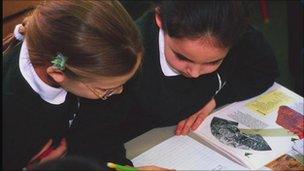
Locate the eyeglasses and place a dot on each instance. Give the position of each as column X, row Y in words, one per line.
column 102, row 94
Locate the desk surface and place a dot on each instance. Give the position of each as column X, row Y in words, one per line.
column 147, row 140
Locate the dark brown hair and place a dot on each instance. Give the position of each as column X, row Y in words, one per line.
column 224, row 20
column 98, row 37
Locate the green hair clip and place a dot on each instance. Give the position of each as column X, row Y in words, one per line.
column 59, row 61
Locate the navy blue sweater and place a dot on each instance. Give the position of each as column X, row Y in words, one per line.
column 248, row 70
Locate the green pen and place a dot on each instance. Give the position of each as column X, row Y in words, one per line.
column 121, row 167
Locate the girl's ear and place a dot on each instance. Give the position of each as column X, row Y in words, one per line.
column 158, row 17
column 56, row 74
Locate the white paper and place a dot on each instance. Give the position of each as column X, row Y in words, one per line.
column 185, row 153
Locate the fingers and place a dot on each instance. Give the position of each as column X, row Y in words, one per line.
column 44, row 148
column 187, row 126
column 204, row 113
column 180, row 127
column 199, row 119
column 57, row 153
column 184, row 126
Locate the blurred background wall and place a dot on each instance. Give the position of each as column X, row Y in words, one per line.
column 280, row 21
column 13, row 13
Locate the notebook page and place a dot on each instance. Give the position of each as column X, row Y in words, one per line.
column 184, row 153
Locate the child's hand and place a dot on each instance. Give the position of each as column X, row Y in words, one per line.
column 48, row 152
column 143, row 168
column 185, row 126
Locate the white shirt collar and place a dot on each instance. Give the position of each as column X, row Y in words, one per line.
column 47, row 93
column 165, row 66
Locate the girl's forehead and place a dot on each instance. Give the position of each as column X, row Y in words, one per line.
column 200, row 50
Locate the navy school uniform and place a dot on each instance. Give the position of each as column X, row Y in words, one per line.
column 249, row 69
column 29, row 122
column 151, row 99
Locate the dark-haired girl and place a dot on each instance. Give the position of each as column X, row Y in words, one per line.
column 200, row 55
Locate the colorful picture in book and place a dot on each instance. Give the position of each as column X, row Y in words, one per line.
column 285, row 162
column 228, row 133
column 291, row 120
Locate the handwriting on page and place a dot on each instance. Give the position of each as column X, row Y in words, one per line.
column 184, row 153
column 269, row 102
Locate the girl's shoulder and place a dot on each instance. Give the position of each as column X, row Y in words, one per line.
column 147, row 26
column 251, row 32
column 10, row 69
column 251, row 38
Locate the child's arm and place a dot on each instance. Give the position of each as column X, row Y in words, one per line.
column 185, row 126
column 48, row 152
column 252, row 71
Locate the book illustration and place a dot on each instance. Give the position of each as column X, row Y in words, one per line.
column 228, row 133
column 285, row 162
column 248, row 154
column 294, row 139
column 275, row 132
column 291, row 120
column 269, row 102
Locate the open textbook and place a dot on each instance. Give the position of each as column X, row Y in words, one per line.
column 243, row 135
